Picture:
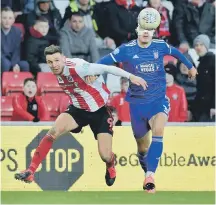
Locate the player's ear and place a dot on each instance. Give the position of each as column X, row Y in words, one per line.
column 137, row 30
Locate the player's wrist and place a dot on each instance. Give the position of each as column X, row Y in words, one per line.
column 190, row 67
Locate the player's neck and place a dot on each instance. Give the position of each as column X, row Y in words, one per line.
column 170, row 84
column 144, row 45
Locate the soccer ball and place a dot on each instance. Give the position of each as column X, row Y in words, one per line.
column 149, row 19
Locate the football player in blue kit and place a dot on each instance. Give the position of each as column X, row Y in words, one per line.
column 149, row 108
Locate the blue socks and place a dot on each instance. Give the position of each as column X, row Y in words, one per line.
column 154, row 153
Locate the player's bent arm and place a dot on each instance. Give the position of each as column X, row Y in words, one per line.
column 107, row 60
column 176, row 53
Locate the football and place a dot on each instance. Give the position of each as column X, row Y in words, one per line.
column 149, row 18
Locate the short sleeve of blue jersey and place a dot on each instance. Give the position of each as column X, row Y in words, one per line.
column 119, row 54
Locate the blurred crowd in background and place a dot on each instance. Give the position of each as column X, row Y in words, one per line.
column 90, row 29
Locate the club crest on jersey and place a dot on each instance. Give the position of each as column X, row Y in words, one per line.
column 60, row 80
column 156, row 54
column 69, row 78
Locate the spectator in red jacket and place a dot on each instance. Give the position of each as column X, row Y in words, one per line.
column 27, row 106
column 178, row 101
column 119, row 102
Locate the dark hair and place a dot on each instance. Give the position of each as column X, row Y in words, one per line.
column 41, row 19
column 29, row 79
column 52, row 49
column 7, row 8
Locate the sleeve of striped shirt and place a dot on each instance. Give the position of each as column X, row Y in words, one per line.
column 86, row 69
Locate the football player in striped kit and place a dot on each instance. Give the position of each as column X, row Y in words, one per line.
column 88, row 107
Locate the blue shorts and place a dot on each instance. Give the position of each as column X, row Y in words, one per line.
column 142, row 113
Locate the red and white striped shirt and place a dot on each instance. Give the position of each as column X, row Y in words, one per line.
column 89, row 97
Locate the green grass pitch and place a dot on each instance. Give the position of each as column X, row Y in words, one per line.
column 130, row 197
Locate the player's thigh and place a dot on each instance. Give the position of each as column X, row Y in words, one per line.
column 144, row 142
column 139, row 123
column 159, row 116
column 105, row 145
column 101, row 125
column 101, row 122
column 64, row 123
column 157, row 123
column 79, row 116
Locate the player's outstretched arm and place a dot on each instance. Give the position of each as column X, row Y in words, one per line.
column 176, row 53
column 119, row 72
column 91, row 69
column 192, row 70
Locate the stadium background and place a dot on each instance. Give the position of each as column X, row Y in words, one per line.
column 187, row 167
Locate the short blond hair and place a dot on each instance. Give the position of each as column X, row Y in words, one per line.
column 52, row 49
column 6, row 9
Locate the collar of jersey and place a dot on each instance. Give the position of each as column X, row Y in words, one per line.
column 66, row 71
column 143, row 47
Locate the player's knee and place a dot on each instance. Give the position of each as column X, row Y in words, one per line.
column 106, row 156
column 158, row 131
column 143, row 149
column 143, row 144
column 55, row 131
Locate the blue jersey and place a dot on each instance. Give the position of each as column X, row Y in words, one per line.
column 146, row 63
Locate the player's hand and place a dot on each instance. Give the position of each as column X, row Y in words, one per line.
column 90, row 78
column 138, row 81
column 192, row 73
